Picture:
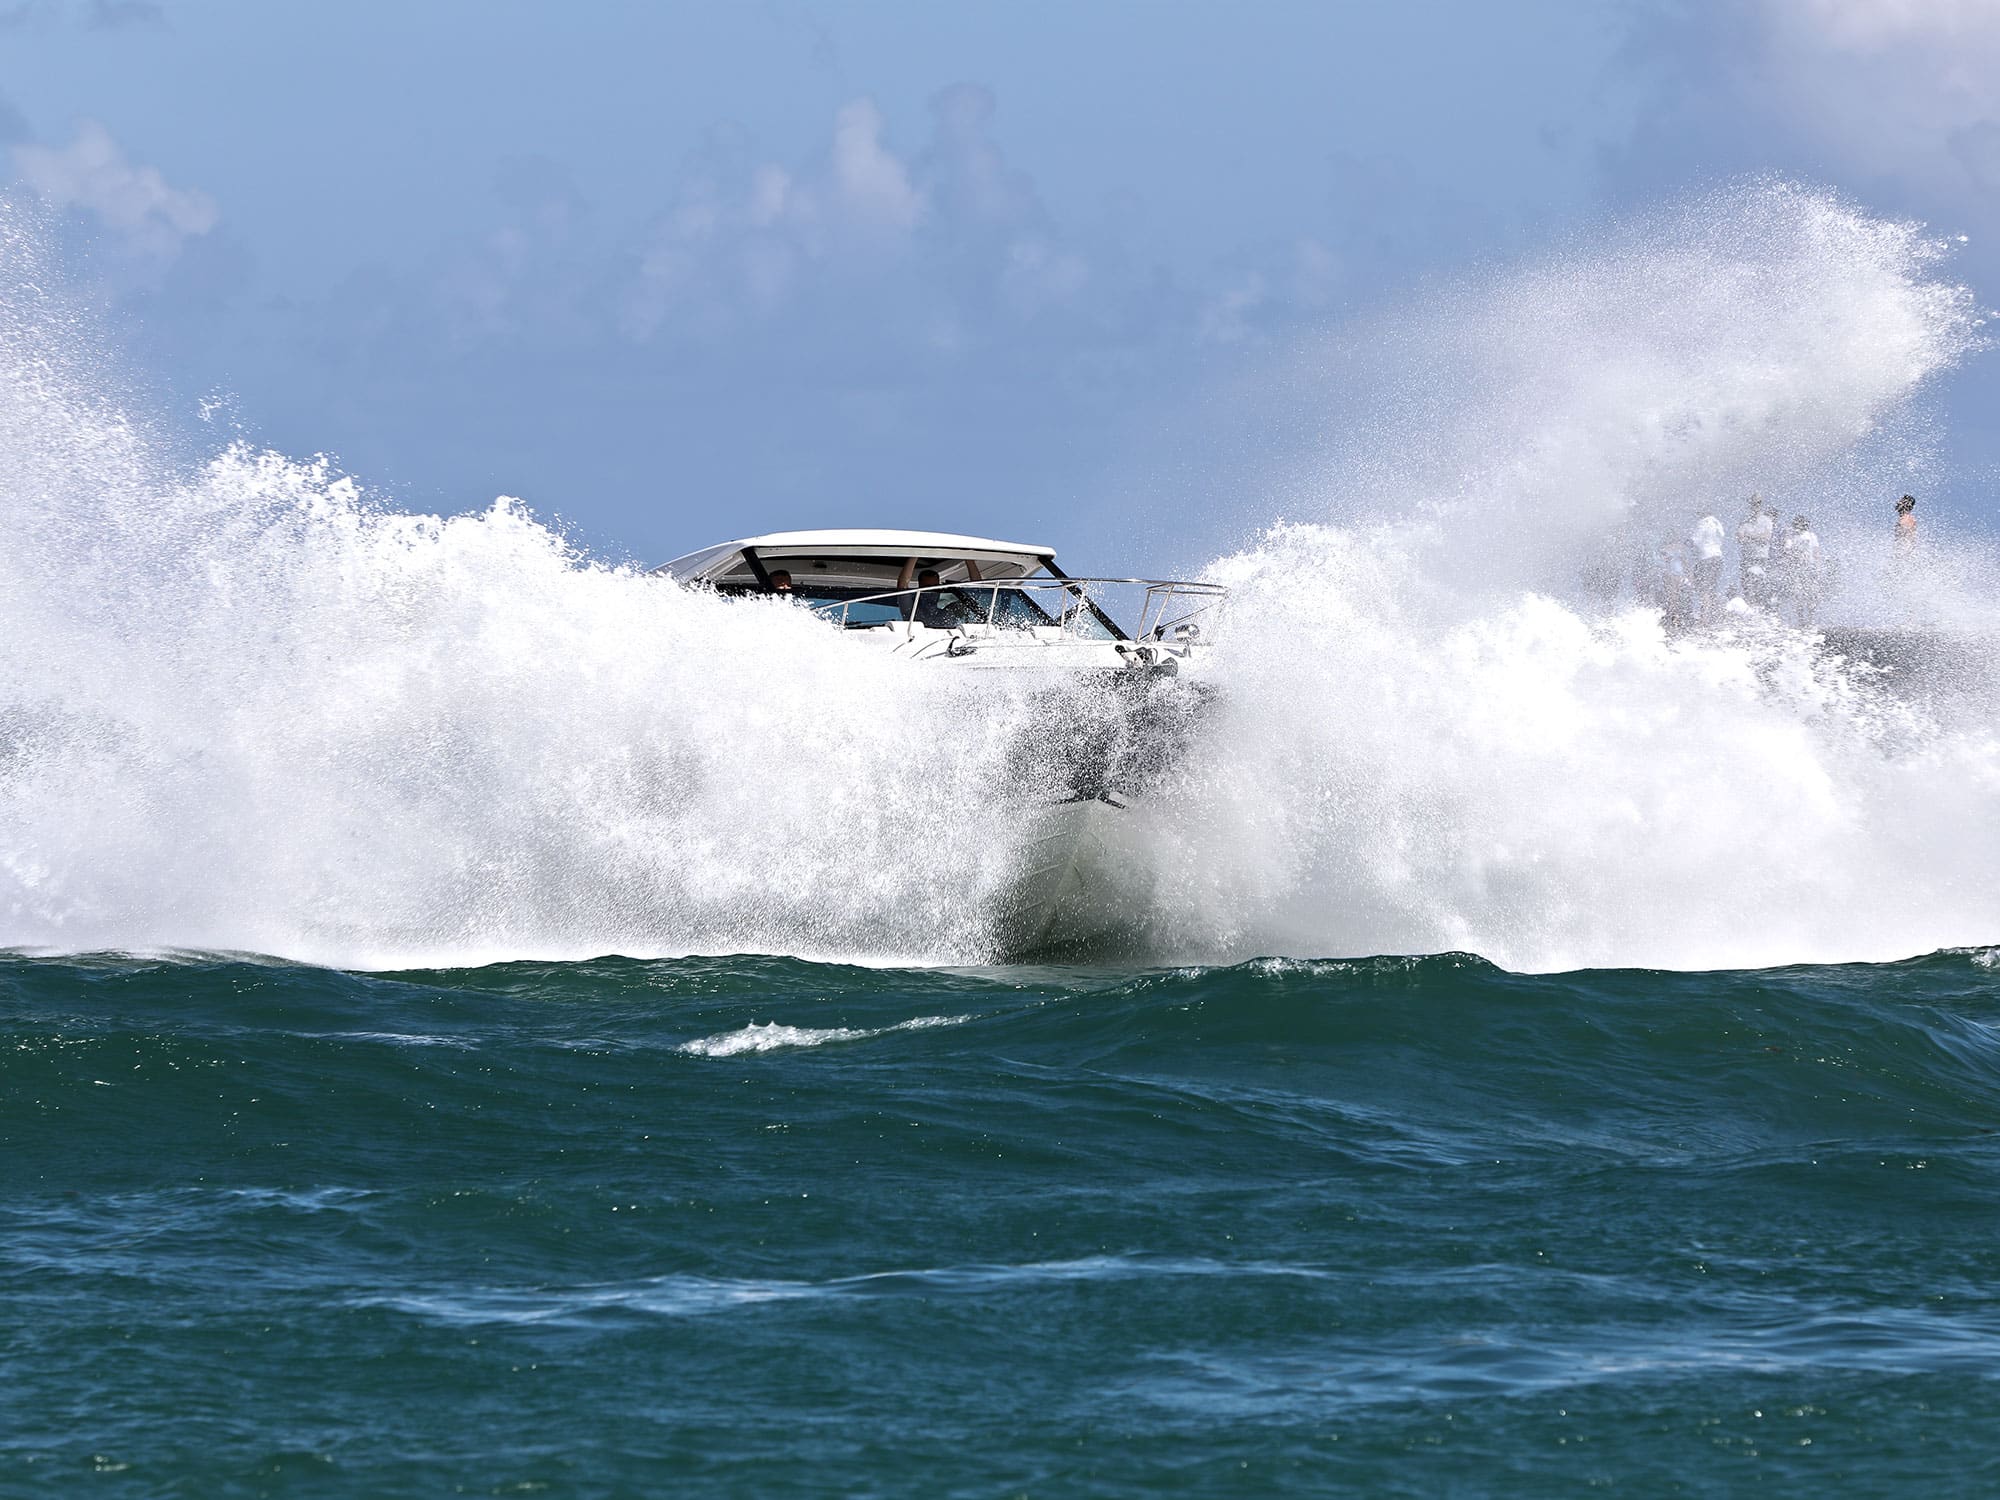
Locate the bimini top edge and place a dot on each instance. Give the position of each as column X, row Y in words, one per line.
column 865, row 552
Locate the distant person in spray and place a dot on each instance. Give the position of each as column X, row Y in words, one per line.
column 1804, row 564
column 1676, row 591
column 1705, row 547
column 1905, row 583
column 1753, row 542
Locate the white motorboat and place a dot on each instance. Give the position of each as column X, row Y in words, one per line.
column 973, row 604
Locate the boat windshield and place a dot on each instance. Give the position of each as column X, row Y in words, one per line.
column 1018, row 609
column 941, row 609
column 968, row 604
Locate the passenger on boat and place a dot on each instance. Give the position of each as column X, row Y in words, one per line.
column 943, row 609
column 1676, row 589
column 781, row 581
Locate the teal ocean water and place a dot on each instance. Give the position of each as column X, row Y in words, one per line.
column 763, row 1226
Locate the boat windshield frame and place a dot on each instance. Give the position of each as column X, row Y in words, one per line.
column 1170, row 610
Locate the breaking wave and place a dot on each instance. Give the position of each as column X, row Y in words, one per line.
column 246, row 706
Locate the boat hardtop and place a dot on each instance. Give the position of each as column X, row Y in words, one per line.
column 942, row 582
column 854, row 556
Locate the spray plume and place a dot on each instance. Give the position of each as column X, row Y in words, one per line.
column 243, row 706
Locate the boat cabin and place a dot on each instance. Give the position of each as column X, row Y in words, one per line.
column 868, row 577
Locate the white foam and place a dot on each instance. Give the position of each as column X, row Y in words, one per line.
column 246, row 707
column 685, row 1295
column 397, row 1039
column 771, row 1036
column 1554, row 789
column 1445, row 728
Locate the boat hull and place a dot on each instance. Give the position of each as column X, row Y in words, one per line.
column 1075, row 890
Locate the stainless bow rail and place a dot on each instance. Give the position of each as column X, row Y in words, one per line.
column 1172, row 610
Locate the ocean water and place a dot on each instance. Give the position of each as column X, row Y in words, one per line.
column 762, row 1226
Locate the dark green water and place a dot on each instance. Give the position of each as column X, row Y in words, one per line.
column 1399, row 1227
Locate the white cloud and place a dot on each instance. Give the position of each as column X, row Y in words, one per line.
column 1869, row 25
column 1889, row 83
column 92, row 174
column 742, row 237
column 965, row 175
column 869, row 186
column 746, row 239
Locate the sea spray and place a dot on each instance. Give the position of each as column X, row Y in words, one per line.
column 1556, row 789
column 370, row 738
column 1546, row 427
column 1453, row 719
column 246, row 705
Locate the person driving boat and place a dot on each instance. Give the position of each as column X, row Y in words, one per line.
column 941, row 608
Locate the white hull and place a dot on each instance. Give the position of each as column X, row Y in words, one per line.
column 1072, row 893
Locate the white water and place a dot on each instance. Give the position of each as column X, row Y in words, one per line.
column 242, row 707
column 771, row 1036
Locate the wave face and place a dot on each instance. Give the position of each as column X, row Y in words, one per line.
column 1395, row 1226
column 245, row 706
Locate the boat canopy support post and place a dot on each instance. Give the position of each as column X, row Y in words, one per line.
column 1088, row 603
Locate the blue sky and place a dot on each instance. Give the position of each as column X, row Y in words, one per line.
column 676, row 272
